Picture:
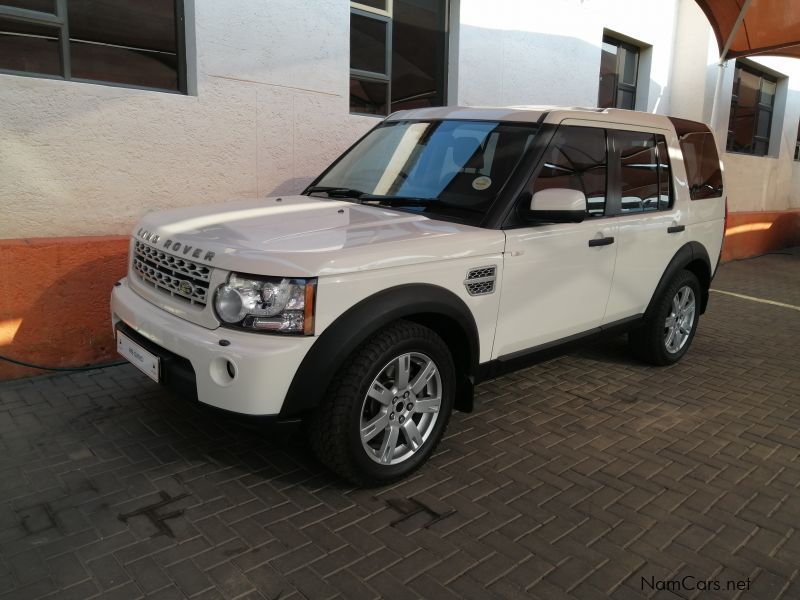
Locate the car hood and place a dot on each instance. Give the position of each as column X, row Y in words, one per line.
column 302, row 236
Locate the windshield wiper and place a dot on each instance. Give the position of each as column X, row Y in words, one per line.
column 336, row 192
column 411, row 201
column 398, row 200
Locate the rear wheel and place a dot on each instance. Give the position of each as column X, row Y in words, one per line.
column 387, row 410
column 665, row 336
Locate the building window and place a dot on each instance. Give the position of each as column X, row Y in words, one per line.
column 752, row 103
column 619, row 71
column 398, row 55
column 118, row 42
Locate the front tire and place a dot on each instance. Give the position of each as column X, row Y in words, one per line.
column 388, row 408
column 666, row 335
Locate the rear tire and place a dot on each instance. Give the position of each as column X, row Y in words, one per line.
column 388, row 408
column 666, row 335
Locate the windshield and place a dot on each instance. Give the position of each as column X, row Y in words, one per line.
column 447, row 167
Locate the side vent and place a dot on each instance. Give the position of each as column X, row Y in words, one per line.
column 480, row 281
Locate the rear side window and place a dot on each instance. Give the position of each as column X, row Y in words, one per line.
column 644, row 172
column 576, row 160
column 703, row 169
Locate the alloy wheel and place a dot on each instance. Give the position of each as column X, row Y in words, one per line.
column 400, row 410
column 680, row 320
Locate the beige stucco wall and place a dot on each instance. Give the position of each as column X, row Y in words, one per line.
column 269, row 109
column 270, row 112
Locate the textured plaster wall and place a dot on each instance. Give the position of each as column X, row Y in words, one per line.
column 270, row 112
column 522, row 52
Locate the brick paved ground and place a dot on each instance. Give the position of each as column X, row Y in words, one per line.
column 573, row 479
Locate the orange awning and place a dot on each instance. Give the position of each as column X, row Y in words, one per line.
column 769, row 27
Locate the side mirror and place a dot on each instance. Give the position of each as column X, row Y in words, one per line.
column 557, row 205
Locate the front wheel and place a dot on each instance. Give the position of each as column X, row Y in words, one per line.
column 387, row 410
column 665, row 336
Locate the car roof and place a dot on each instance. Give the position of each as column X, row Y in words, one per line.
column 535, row 114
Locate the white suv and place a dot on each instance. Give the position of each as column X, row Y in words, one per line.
column 447, row 246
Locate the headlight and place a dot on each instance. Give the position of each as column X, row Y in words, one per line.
column 268, row 303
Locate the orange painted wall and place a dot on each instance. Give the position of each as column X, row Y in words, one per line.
column 753, row 233
column 54, row 296
column 54, row 292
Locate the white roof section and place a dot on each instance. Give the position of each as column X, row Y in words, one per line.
column 532, row 114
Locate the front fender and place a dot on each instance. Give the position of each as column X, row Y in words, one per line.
column 432, row 305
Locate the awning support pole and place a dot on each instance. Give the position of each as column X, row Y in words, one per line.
column 716, row 127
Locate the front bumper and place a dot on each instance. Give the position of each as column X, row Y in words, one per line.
column 263, row 364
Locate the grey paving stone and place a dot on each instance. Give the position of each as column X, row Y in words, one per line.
column 572, row 479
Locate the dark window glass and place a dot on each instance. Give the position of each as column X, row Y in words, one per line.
column 101, row 62
column 419, row 43
column 113, row 41
column 576, row 160
column 619, row 70
column 397, row 61
column 379, row 4
column 48, row 6
column 368, row 38
column 664, row 174
column 144, row 24
column 639, row 188
column 29, row 48
column 700, row 157
column 752, row 103
column 367, row 96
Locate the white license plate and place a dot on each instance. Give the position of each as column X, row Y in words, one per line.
column 147, row 362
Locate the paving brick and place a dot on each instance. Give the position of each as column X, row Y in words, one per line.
column 571, row 479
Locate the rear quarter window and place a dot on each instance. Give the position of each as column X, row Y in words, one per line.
column 703, row 169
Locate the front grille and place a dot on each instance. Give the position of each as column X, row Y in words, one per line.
column 181, row 278
column 480, row 281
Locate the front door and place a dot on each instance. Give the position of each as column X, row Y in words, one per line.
column 557, row 277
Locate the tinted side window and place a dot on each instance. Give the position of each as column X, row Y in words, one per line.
column 664, row 174
column 576, row 159
column 639, row 188
column 703, row 169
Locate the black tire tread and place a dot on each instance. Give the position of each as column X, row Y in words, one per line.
column 646, row 341
column 329, row 423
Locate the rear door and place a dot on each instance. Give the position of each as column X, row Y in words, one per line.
column 651, row 224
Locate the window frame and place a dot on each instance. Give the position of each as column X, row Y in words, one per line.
column 542, row 163
column 616, row 172
column 620, row 85
column 59, row 21
column 613, row 168
column 387, row 16
column 759, row 107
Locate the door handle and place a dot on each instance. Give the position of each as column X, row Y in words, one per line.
column 676, row 228
column 601, row 241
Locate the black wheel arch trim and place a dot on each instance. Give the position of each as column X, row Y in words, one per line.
column 688, row 254
column 415, row 302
